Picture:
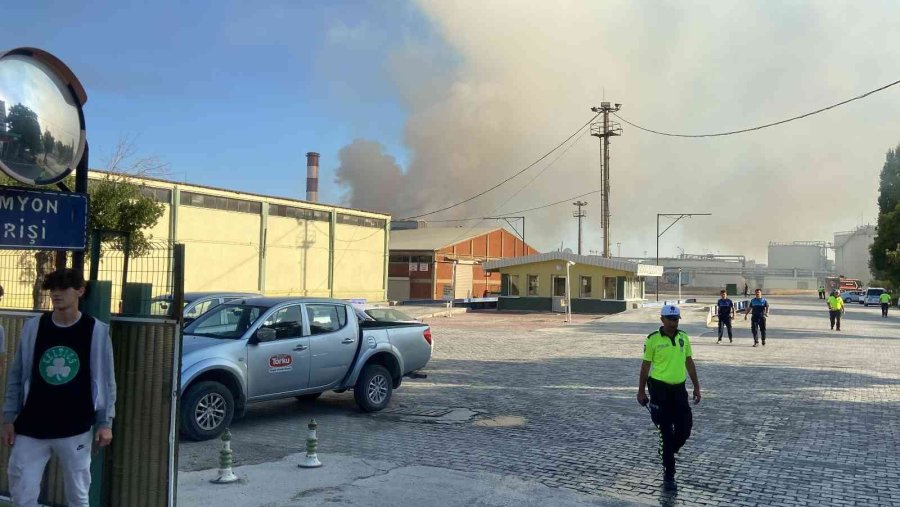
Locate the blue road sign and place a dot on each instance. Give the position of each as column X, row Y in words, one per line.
column 42, row 219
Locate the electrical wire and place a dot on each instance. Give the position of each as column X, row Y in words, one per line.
column 767, row 125
column 536, row 176
column 529, row 166
column 510, row 214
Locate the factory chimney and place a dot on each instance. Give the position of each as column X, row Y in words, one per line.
column 312, row 177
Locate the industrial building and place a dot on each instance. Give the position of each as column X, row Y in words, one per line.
column 238, row 241
column 597, row 284
column 425, row 261
column 851, row 253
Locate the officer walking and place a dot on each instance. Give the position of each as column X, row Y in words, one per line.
column 726, row 314
column 885, row 299
column 835, row 309
column 760, row 308
column 821, row 292
column 667, row 360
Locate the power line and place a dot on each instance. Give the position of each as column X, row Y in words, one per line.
column 767, row 125
column 519, row 211
column 529, row 182
column 529, row 166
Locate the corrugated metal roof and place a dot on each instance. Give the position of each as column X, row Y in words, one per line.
column 589, row 260
column 435, row 238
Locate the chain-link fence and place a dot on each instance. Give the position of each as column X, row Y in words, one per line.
column 140, row 283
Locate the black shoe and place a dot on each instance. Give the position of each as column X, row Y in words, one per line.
column 669, row 481
column 764, row 343
column 755, row 344
column 730, row 340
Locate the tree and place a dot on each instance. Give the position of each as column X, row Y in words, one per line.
column 116, row 203
column 23, row 122
column 885, row 250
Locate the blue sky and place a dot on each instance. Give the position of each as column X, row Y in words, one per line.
column 231, row 94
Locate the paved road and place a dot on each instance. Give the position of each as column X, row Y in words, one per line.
column 811, row 419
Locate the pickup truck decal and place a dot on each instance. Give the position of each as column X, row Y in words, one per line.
column 281, row 362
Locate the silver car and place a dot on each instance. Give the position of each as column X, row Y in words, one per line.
column 259, row 349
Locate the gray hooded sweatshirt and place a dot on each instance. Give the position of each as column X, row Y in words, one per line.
column 103, row 377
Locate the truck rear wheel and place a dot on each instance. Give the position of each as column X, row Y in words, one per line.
column 373, row 388
column 206, row 410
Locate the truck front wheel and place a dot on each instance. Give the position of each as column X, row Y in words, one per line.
column 373, row 388
column 206, row 410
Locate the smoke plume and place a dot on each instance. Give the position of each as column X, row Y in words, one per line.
column 524, row 75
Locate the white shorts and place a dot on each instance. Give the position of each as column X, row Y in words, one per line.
column 29, row 457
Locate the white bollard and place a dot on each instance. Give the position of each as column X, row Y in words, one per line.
column 312, row 445
column 226, row 475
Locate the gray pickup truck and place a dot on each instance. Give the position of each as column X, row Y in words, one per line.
column 260, row 349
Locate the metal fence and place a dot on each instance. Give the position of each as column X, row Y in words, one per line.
column 141, row 283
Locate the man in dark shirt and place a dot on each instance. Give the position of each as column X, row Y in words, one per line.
column 760, row 308
column 725, row 307
column 60, row 385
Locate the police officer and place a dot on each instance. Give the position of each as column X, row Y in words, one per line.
column 760, row 308
column 885, row 299
column 667, row 360
column 835, row 309
column 821, row 292
column 726, row 314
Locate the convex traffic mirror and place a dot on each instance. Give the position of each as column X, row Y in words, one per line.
column 42, row 133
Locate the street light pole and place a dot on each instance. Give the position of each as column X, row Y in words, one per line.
column 677, row 217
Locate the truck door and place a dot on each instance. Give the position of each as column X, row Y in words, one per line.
column 333, row 341
column 280, row 366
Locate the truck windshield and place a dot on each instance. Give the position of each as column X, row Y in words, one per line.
column 225, row 321
column 874, row 292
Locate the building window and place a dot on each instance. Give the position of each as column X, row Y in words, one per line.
column 585, row 287
column 222, row 203
column 513, row 285
column 279, row 210
column 399, row 258
column 163, row 195
column 559, row 286
column 609, row 287
column 376, row 223
column 532, row 285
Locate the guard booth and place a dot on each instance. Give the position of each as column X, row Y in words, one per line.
column 43, row 227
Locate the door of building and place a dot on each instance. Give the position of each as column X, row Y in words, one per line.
column 463, row 283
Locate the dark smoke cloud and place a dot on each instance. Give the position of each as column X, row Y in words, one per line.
column 526, row 77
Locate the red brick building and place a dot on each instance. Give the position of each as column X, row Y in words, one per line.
column 425, row 261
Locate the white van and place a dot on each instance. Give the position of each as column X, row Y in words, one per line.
column 872, row 295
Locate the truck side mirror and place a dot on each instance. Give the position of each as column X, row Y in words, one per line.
column 265, row 334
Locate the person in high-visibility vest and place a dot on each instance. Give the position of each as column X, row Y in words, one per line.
column 885, row 299
column 835, row 309
column 821, row 292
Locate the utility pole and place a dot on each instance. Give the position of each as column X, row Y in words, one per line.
column 604, row 130
column 579, row 215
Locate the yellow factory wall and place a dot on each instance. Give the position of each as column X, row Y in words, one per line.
column 221, row 249
column 359, row 262
column 297, row 257
column 160, row 231
column 545, row 272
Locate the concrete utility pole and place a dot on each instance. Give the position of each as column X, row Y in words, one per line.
column 604, row 130
column 579, row 215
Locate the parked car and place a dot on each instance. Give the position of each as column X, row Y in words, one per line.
column 264, row 348
column 197, row 303
column 852, row 296
column 872, row 295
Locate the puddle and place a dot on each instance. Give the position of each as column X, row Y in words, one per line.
column 428, row 415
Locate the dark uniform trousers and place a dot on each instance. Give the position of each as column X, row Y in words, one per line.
column 835, row 316
column 758, row 327
column 725, row 322
column 671, row 413
column 884, row 309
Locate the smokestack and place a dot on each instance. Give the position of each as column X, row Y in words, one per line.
column 312, row 177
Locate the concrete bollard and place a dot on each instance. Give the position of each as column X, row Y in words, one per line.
column 312, row 445
column 226, row 476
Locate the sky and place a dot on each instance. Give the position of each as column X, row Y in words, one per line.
column 415, row 105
